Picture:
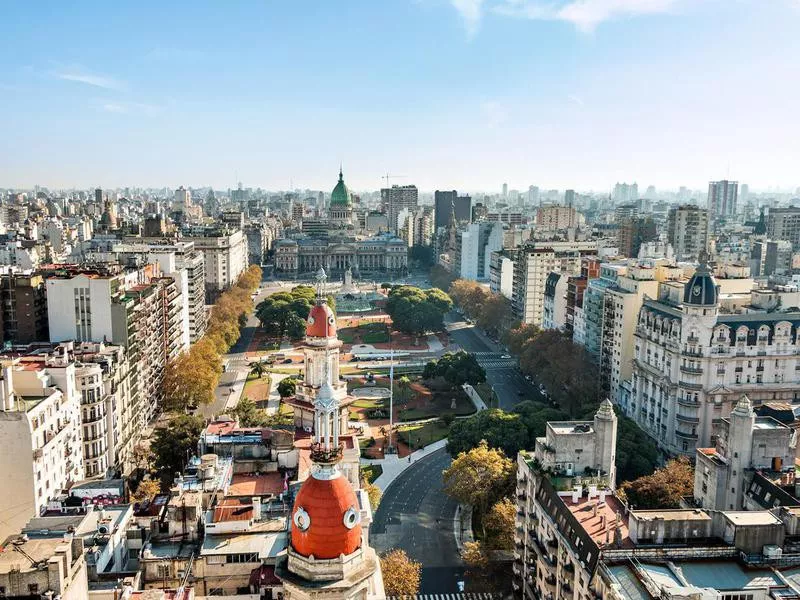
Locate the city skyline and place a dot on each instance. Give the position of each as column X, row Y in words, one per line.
column 468, row 94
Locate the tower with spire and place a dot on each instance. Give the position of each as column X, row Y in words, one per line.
column 328, row 556
column 341, row 206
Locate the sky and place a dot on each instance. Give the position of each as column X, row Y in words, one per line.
column 444, row 94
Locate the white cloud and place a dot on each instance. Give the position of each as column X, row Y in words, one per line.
column 81, row 76
column 470, row 11
column 575, row 99
column 113, row 107
column 585, row 15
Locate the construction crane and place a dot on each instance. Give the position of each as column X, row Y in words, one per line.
column 387, row 177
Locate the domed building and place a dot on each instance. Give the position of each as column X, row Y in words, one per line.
column 328, row 556
column 341, row 206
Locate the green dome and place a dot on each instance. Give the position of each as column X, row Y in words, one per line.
column 340, row 196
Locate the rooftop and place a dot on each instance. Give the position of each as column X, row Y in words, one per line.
column 755, row 517
column 256, row 485
column 267, row 545
column 600, row 523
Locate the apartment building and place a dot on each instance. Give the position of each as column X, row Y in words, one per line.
column 555, row 302
column 501, row 272
column 696, row 352
column 225, row 255
column 533, row 265
column 474, row 246
column 23, row 308
column 784, row 224
column 555, row 218
column 40, row 424
column 687, row 231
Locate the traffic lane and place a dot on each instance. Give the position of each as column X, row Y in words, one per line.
column 416, row 516
column 469, row 340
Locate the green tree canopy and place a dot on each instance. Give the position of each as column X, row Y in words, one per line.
column 457, row 368
column 285, row 313
column 174, row 444
column 498, row 428
column 287, row 387
column 416, row 311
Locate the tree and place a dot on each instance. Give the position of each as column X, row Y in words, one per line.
column 456, row 368
column 174, row 444
column 415, row 311
column 248, row 414
column 373, row 493
column 287, row 387
column 496, row 427
column 479, row 478
column 285, row 313
column 500, row 525
column 142, row 456
column 517, row 339
column 257, row 368
column 495, row 313
column 663, row 489
column 469, row 295
column 474, row 556
column 404, row 386
column 401, row 575
column 146, row 490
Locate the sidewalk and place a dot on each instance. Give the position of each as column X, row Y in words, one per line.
column 274, row 399
column 393, row 465
column 462, row 526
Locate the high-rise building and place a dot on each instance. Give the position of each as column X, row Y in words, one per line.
column 98, row 197
column 225, row 254
column 23, row 308
column 474, row 246
column 569, row 198
column 533, row 264
column 770, row 257
column 533, row 196
column 687, row 231
column 784, row 224
column 633, row 233
column 397, row 198
column 447, row 201
column 182, row 200
column 624, row 192
column 40, row 425
column 554, row 218
column 722, row 197
column 505, row 190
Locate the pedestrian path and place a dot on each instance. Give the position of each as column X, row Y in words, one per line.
column 393, row 465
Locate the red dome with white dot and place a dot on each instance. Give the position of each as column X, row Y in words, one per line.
column 321, row 322
column 326, row 520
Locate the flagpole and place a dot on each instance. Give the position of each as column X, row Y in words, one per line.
column 391, row 395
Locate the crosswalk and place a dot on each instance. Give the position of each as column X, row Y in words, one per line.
column 494, row 360
column 460, row 596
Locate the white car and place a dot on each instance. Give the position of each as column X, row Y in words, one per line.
column 505, row 356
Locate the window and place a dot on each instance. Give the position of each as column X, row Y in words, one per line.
column 33, row 588
column 162, row 571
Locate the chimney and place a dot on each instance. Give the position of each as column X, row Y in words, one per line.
column 256, row 508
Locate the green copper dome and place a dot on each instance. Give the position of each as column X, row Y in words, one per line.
column 340, row 196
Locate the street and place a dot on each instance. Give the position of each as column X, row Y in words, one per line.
column 502, row 374
column 415, row 515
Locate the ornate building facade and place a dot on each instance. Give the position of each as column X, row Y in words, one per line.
column 383, row 253
column 693, row 362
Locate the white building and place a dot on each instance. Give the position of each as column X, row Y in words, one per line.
column 694, row 358
column 225, row 256
column 474, row 247
column 554, row 315
column 40, row 427
column 501, row 273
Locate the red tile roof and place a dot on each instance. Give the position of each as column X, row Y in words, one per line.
column 265, row 484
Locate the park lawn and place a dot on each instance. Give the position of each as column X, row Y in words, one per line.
column 371, row 472
column 417, row 436
column 438, row 407
column 285, row 409
column 256, row 388
column 375, row 337
column 370, row 403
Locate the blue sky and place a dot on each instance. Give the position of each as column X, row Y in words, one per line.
column 463, row 94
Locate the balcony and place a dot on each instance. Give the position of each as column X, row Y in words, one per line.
column 691, row 370
column 690, row 385
column 686, row 418
column 692, row 352
column 550, row 581
column 688, row 402
column 693, row 339
column 686, row 435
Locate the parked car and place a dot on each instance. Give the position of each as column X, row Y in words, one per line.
column 287, row 361
column 505, row 356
